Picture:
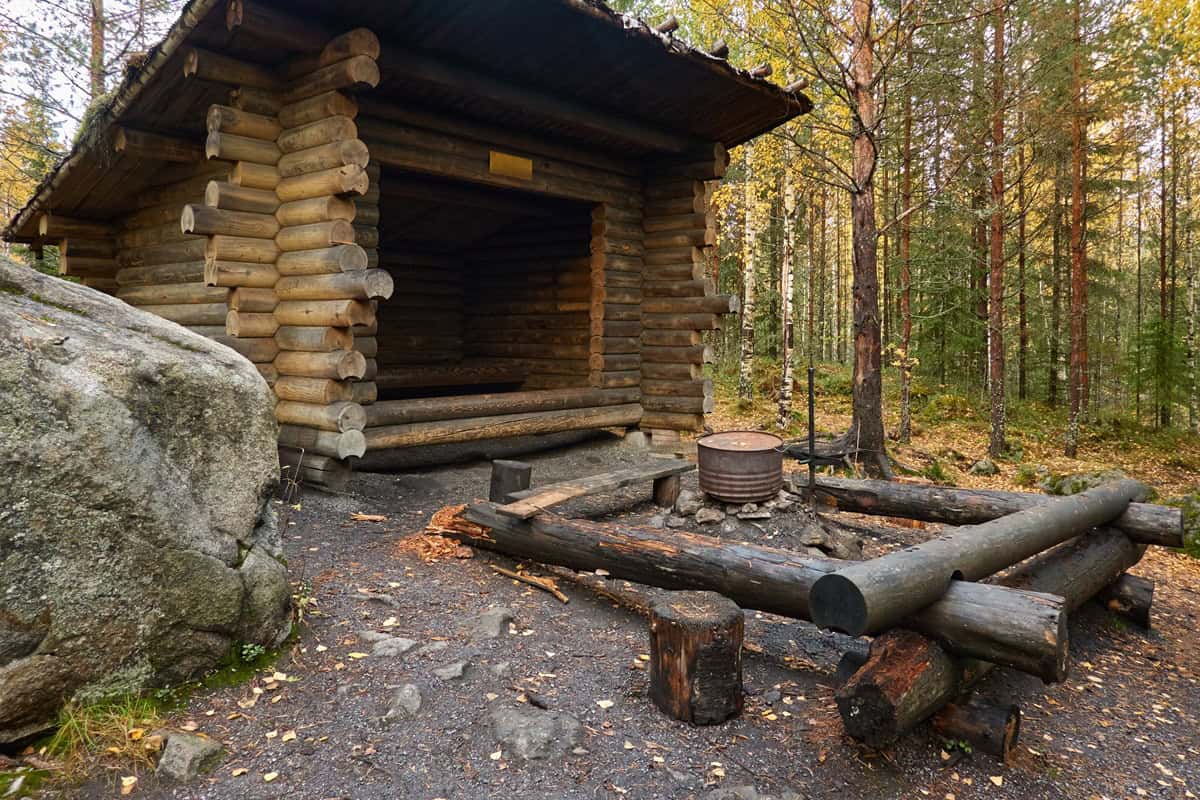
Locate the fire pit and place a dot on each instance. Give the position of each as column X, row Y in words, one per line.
column 741, row 466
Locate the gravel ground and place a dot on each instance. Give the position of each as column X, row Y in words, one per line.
column 1125, row 724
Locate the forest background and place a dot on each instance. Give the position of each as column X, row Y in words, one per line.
column 983, row 239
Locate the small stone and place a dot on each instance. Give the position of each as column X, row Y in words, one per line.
column 452, row 671
column 493, row 622
column 984, row 466
column 772, row 696
column 370, row 637
column 186, row 756
column 732, row 509
column 676, row 522
column 500, row 669
column 707, row 516
column 790, row 795
column 682, row 778
column 533, row 734
column 433, row 647
column 754, row 515
column 729, row 526
column 392, row 647
column 733, row 793
column 658, row 521
column 405, row 703
column 749, row 508
column 688, row 503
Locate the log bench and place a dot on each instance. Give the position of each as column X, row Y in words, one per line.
column 663, row 474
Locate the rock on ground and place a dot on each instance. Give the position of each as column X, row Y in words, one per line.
column 491, row 623
column 186, row 756
column 404, row 704
column 533, row 735
column 137, row 539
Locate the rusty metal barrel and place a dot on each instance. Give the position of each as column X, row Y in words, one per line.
column 741, row 466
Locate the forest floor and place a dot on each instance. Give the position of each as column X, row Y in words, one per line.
column 1126, row 724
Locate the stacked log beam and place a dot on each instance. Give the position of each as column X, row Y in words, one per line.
column 680, row 299
column 615, row 312
column 326, row 290
column 160, row 266
column 240, row 225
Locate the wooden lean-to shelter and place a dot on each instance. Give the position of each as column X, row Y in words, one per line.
column 424, row 221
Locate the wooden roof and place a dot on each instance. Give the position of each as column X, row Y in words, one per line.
column 571, row 71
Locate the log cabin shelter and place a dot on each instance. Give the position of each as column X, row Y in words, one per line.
column 425, row 221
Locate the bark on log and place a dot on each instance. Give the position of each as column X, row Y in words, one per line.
column 337, row 365
column 314, row 339
column 323, row 260
column 232, row 197
column 339, row 417
column 769, row 579
column 913, row 676
column 320, row 391
column 875, row 595
column 1142, row 522
column 349, row 444
column 1130, row 597
column 696, row 657
column 398, row 412
column 469, row 430
column 338, row 180
column 318, row 107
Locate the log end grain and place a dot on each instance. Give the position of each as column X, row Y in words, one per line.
column 838, row 604
column 696, row 657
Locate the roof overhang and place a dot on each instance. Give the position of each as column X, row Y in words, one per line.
column 568, row 70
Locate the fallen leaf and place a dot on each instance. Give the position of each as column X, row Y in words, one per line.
column 136, row 733
column 357, row 655
column 496, row 755
column 272, row 734
column 239, row 772
column 128, row 783
column 190, row 725
column 605, row 703
column 287, row 737
column 321, row 648
column 997, row 780
column 270, row 776
column 358, row 517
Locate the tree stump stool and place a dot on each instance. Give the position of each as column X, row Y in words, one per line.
column 696, row 657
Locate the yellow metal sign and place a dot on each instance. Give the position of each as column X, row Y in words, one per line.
column 510, row 166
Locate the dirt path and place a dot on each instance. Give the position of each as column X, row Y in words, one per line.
column 1126, row 724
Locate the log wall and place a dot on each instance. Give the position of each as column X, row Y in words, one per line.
column 680, row 301
column 528, row 299
column 423, row 321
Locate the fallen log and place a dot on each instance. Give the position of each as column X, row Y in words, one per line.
column 1032, row 638
column 873, row 596
column 1141, row 522
column 908, row 677
column 1130, row 597
column 990, row 729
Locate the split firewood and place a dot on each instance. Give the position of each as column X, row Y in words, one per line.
column 545, row 584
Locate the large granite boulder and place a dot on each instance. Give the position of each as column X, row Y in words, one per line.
column 137, row 464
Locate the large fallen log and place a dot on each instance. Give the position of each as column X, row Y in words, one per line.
column 1141, row 522
column 872, row 596
column 908, row 677
column 1032, row 637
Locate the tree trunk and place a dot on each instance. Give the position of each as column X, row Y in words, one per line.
column 1137, row 339
column 749, row 244
column 996, row 441
column 1022, row 310
column 905, row 433
column 1163, row 419
column 1141, row 522
column 866, row 434
column 1055, row 290
column 96, row 61
column 1078, row 255
column 872, row 596
column 787, row 268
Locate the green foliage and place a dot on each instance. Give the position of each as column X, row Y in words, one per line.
column 936, row 472
column 1027, row 475
column 250, row 652
column 948, row 408
column 1163, row 368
